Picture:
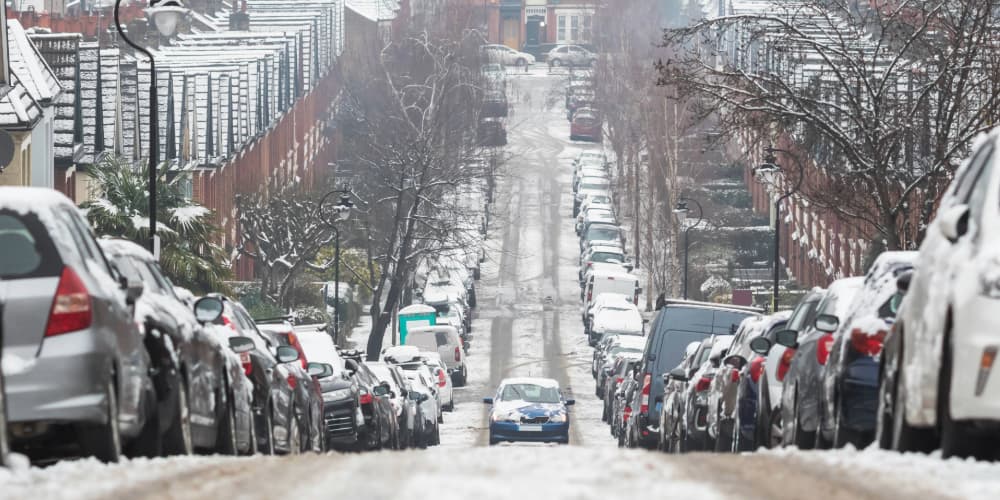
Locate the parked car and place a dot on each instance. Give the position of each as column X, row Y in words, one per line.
column 380, row 429
column 204, row 400
column 585, row 125
column 406, row 408
column 609, row 281
column 276, row 427
column 800, row 396
column 587, row 186
column 936, row 387
column 571, row 55
column 495, row 76
column 446, row 342
column 76, row 370
column 618, row 316
column 622, row 366
column 529, row 409
column 308, row 394
column 849, row 383
column 691, row 423
column 445, row 388
column 678, row 324
column 492, row 133
column 601, row 234
column 776, row 363
column 721, row 416
column 495, row 104
column 752, row 362
column 423, row 393
column 617, row 344
column 675, row 383
column 496, row 53
column 623, row 408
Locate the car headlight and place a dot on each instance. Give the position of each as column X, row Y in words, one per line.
column 512, row 416
column 336, row 395
column 558, row 418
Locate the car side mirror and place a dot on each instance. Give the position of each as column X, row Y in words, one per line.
column 488, row 401
column 240, row 345
column 903, row 282
column 678, row 374
column 319, row 370
column 133, row 290
column 208, row 309
column 953, row 222
column 787, row 338
column 827, row 323
column 286, row 354
column 424, row 397
column 760, row 345
column 570, row 402
column 628, row 266
column 736, row 361
column 381, row 389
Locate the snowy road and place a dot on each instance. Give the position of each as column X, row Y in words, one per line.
column 528, row 323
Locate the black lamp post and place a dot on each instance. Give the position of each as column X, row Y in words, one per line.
column 768, row 174
column 681, row 211
column 165, row 15
column 342, row 210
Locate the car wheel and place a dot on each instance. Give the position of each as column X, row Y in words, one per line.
column 103, row 441
column 956, row 440
column 225, row 441
column 556, row 63
column 894, row 431
column 149, row 442
column 802, row 439
column 177, row 439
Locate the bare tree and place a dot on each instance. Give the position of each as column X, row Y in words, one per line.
column 882, row 101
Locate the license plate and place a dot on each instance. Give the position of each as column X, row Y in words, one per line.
column 530, row 427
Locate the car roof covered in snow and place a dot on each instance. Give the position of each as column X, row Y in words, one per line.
column 120, row 246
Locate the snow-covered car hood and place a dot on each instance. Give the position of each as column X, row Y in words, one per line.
column 528, row 409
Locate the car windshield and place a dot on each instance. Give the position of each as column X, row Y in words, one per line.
column 532, row 393
column 594, row 185
column 602, row 233
column 609, row 257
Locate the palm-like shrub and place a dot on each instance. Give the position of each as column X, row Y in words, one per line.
column 119, row 207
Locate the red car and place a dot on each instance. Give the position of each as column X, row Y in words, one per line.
column 585, row 126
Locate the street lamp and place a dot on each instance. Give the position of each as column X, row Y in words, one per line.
column 681, row 212
column 342, row 211
column 771, row 175
column 165, row 15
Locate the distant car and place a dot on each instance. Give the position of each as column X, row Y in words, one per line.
column 630, row 345
column 529, row 409
column 492, row 133
column 495, row 76
column 620, row 317
column 586, row 125
column 342, row 417
column 581, row 102
column 595, row 214
column 443, row 340
column 423, row 393
column 507, row 56
column 622, row 367
column 571, row 55
column 75, row 363
column 406, row 408
column 495, row 104
column 693, row 434
column 446, row 390
column 848, row 388
column 578, row 86
column 588, row 186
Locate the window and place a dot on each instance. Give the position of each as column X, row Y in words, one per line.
column 28, row 250
column 561, row 31
column 574, row 28
column 585, row 35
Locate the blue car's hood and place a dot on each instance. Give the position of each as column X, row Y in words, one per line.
column 529, row 409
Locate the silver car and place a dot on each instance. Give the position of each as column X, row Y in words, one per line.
column 571, row 55
column 75, row 366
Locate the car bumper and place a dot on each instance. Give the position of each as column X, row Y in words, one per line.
column 510, row 431
column 65, row 383
column 341, row 421
column 975, row 332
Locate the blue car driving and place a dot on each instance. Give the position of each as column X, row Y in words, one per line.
column 529, row 409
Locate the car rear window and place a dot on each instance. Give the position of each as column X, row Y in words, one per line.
column 602, row 233
column 679, row 326
column 442, row 338
column 607, row 257
column 28, row 251
column 594, row 186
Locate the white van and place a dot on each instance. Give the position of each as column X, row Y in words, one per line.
column 444, row 340
column 609, row 281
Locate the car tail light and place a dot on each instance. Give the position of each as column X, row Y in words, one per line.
column 784, row 363
column 365, row 398
column 590, row 294
column 245, row 360
column 626, row 413
column 823, row 348
column 458, row 353
column 292, row 381
column 647, row 383
column 71, row 307
column 618, row 380
column 734, row 375
column 228, row 322
column 756, row 367
column 442, row 378
column 703, row 384
column 864, row 343
column 294, row 342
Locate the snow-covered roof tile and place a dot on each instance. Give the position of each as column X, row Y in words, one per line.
column 33, row 72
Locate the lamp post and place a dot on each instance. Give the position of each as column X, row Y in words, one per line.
column 165, row 15
column 768, row 173
column 342, row 210
column 681, row 211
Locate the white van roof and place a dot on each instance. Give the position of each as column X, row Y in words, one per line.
column 603, row 273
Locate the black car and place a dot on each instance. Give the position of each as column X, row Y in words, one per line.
column 273, row 396
column 678, row 324
column 380, row 429
column 751, row 365
column 495, row 104
column 197, row 405
column 800, row 398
